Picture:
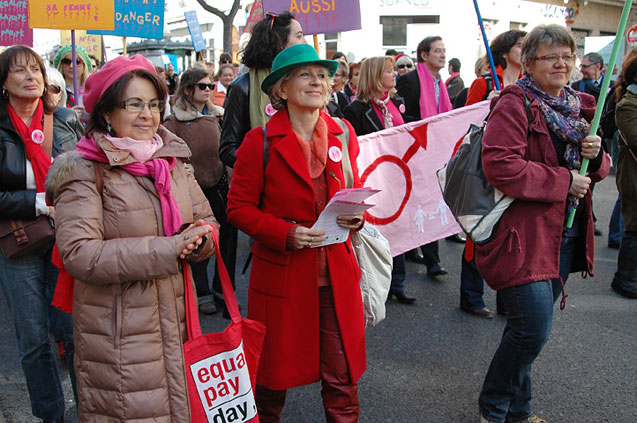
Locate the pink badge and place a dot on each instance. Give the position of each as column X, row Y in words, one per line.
column 401, row 108
column 335, row 154
column 37, row 136
column 269, row 110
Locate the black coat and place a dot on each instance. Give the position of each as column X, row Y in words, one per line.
column 15, row 200
column 364, row 118
column 408, row 87
column 236, row 119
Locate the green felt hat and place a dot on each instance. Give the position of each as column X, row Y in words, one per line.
column 294, row 57
column 79, row 51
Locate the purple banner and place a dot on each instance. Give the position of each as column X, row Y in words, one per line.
column 320, row 16
column 14, row 23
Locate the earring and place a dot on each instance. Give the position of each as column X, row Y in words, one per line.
column 108, row 127
column 5, row 93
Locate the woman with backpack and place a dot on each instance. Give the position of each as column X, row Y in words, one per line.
column 536, row 161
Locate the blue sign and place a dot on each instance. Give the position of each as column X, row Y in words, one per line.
column 137, row 18
column 195, row 31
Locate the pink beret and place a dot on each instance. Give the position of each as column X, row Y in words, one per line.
column 114, row 69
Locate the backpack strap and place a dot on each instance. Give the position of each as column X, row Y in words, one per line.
column 47, row 145
column 99, row 181
column 346, row 164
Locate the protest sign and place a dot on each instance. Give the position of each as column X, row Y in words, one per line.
column 402, row 162
column 256, row 14
column 195, row 31
column 71, row 14
column 320, row 16
column 14, row 23
column 137, row 18
column 91, row 43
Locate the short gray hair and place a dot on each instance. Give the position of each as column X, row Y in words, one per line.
column 275, row 89
column 552, row 35
column 595, row 58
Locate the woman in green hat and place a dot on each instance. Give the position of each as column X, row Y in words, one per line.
column 64, row 63
column 307, row 295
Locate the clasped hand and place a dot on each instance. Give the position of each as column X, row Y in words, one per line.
column 307, row 237
column 192, row 237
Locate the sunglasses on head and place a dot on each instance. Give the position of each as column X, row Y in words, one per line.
column 203, row 86
column 55, row 89
column 408, row 66
column 67, row 62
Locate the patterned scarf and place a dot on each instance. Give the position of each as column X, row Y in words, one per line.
column 388, row 121
column 562, row 116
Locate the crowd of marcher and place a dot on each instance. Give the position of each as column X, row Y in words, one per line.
column 135, row 166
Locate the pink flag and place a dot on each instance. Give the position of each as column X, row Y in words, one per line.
column 402, row 162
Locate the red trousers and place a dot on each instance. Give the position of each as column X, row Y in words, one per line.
column 340, row 396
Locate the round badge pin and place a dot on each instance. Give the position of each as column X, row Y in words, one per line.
column 37, row 136
column 335, row 154
column 269, row 110
column 401, row 108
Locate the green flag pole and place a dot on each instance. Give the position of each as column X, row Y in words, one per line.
column 604, row 90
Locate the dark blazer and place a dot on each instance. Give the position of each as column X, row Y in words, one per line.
column 408, row 87
column 363, row 117
column 236, row 120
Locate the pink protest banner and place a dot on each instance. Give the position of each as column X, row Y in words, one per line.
column 256, row 14
column 72, row 14
column 402, row 162
column 14, row 23
column 320, row 16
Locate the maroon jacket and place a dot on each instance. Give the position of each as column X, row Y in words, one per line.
column 520, row 160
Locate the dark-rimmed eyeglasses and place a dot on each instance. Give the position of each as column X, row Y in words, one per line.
column 203, row 86
column 403, row 66
column 55, row 89
column 67, row 62
column 135, row 105
column 587, row 66
column 552, row 58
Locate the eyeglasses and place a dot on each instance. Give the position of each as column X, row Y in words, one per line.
column 203, row 86
column 273, row 16
column 55, row 89
column 403, row 66
column 135, row 105
column 587, row 66
column 553, row 58
column 67, row 62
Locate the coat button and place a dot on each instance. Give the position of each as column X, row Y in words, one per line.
column 115, row 159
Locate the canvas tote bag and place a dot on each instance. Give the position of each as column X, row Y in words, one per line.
column 221, row 368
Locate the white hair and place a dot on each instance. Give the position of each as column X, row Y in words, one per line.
column 54, row 77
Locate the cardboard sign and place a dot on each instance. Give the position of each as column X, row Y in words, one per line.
column 256, row 14
column 14, row 23
column 91, row 43
column 71, row 14
column 320, row 16
column 195, row 31
column 137, row 18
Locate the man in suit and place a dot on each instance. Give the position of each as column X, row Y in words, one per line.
column 591, row 68
column 425, row 95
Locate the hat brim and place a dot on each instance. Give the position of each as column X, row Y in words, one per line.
column 273, row 77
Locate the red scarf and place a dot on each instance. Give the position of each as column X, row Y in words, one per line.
column 35, row 153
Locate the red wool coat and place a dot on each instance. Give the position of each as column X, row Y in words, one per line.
column 525, row 246
column 283, row 291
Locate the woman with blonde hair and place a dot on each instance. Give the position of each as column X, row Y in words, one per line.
column 64, row 63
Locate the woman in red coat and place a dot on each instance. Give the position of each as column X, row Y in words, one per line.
column 307, row 295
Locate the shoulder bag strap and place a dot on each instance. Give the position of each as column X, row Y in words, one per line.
column 348, row 173
column 47, row 145
column 621, row 136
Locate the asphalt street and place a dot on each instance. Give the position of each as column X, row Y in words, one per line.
column 426, row 362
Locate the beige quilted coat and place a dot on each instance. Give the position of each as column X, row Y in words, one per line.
column 128, row 308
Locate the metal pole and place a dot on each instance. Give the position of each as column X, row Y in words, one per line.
column 486, row 45
column 604, row 90
column 76, row 93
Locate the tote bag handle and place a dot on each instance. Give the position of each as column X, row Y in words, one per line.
column 192, row 317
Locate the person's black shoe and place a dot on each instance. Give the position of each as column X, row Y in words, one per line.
column 483, row 312
column 436, row 270
column 598, row 232
column 415, row 256
column 614, row 245
column 402, row 298
column 623, row 292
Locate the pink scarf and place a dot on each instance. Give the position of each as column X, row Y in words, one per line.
column 141, row 150
column 428, row 105
column 158, row 169
column 453, row 75
column 387, row 110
